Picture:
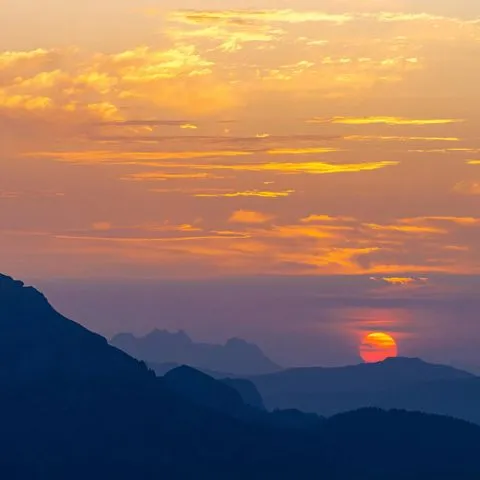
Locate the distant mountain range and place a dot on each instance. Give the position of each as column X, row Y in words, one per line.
column 74, row 407
column 236, row 357
column 396, row 383
column 406, row 383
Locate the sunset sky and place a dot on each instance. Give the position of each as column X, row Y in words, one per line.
column 184, row 139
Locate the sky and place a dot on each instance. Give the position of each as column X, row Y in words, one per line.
column 320, row 144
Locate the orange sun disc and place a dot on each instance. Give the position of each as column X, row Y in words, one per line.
column 378, row 346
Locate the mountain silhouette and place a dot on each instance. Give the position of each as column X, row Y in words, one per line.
column 162, row 369
column 36, row 342
column 204, row 390
column 160, row 346
column 244, row 387
column 247, row 390
column 71, row 406
column 402, row 383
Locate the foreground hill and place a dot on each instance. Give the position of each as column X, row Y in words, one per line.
column 405, row 383
column 236, row 357
column 71, row 406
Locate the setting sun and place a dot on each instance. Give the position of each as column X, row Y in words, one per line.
column 377, row 346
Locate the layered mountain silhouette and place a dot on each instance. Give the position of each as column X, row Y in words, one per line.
column 71, row 406
column 246, row 388
column 162, row 369
column 236, row 357
column 406, row 383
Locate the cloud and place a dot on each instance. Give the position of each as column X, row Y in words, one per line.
column 446, row 150
column 143, row 240
column 301, row 151
column 396, row 138
column 147, row 123
column 102, row 226
column 325, row 218
column 406, row 229
column 112, row 157
column 162, row 176
column 385, row 121
column 467, row 187
column 29, row 194
column 463, row 221
column 312, row 168
column 154, row 158
column 242, row 17
column 249, row 217
column 246, row 193
column 401, row 281
column 10, row 58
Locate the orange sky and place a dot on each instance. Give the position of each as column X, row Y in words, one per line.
column 145, row 139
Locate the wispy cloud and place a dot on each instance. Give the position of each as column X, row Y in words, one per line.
column 398, row 138
column 310, row 168
column 385, row 120
column 401, row 281
column 247, row 193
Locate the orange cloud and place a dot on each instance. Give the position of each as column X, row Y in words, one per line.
column 249, row 216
